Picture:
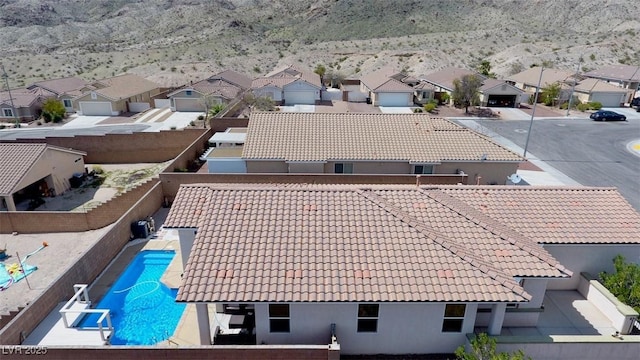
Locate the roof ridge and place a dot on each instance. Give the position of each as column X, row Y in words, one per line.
column 481, row 264
column 495, row 227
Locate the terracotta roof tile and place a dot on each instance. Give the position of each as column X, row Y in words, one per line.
column 351, row 136
column 15, row 161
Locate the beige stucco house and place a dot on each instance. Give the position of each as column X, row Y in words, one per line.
column 623, row 76
column 119, row 94
column 220, row 88
column 384, row 87
column 354, row 143
column 63, row 89
column 23, row 105
column 289, row 85
column 35, row 170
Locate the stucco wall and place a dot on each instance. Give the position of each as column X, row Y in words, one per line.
column 372, row 167
column 267, row 166
column 588, row 258
column 403, row 328
column 305, row 167
column 277, row 93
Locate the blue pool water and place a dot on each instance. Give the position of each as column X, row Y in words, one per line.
column 143, row 310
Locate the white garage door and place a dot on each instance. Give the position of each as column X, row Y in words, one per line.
column 393, row 99
column 299, row 97
column 189, row 105
column 95, row 108
column 607, row 99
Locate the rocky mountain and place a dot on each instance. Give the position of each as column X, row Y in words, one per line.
column 173, row 41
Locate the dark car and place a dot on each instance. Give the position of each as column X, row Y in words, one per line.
column 605, row 115
column 635, row 102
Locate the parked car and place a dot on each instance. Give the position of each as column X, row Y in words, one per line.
column 605, row 115
column 635, row 102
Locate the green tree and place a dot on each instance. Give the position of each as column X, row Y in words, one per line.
column 625, row 282
column 261, row 103
column 483, row 347
column 208, row 102
column 215, row 109
column 320, row 70
column 53, row 110
column 466, row 91
column 484, row 68
column 550, row 93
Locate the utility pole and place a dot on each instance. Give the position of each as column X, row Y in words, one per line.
column 533, row 112
column 573, row 86
column 13, row 108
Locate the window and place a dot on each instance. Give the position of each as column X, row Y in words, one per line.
column 423, row 169
column 368, row 317
column 67, row 103
column 343, row 168
column 7, row 112
column 188, row 92
column 279, row 318
column 453, row 317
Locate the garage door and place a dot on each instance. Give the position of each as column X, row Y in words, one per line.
column 95, row 108
column 393, row 99
column 607, row 99
column 189, row 105
column 299, row 98
column 502, row 100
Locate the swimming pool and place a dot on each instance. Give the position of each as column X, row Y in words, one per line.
column 143, row 310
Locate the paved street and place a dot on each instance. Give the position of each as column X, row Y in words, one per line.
column 592, row 153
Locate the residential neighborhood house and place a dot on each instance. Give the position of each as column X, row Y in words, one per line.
column 387, row 268
column 116, row 95
column 624, row 76
column 385, row 87
column 63, row 89
column 23, row 105
column 357, row 143
column 28, row 171
column 220, row 88
column 289, row 85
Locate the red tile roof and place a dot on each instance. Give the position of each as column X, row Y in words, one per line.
column 550, row 215
column 376, row 242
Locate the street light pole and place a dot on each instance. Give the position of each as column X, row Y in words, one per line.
column 573, row 86
column 6, row 82
column 533, row 112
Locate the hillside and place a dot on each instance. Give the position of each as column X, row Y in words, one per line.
column 173, row 41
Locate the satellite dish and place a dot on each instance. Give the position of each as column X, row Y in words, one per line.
column 514, row 178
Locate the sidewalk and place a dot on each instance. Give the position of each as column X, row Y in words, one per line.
column 545, row 174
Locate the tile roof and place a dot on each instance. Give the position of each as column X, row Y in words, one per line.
column 236, row 78
column 15, row 161
column 353, row 136
column 489, row 84
column 383, row 80
column 275, row 82
column 557, row 215
column 590, row 85
column 211, row 86
column 62, row 85
column 616, row 72
column 348, row 243
column 295, row 72
column 125, row 86
column 444, row 78
column 549, row 76
column 24, row 97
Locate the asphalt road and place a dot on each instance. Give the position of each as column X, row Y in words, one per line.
column 592, row 153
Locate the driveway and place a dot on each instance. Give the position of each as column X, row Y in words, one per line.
column 81, row 121
column 511, row 113
column 628, row 112
column 298, row 108
column 396, row 110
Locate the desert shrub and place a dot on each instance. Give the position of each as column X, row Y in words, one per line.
column 53, row 110
column 582, row 107
column 417, row 110
column 564, row 106
column 595, row 105
column 429, row 107
column 98, row 170
column 192, row 123
column 445, row 98
column 625, row 282
column 39, row 123
column 200, row 117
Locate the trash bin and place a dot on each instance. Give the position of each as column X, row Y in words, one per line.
column 76, row 180
column 139, row 230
